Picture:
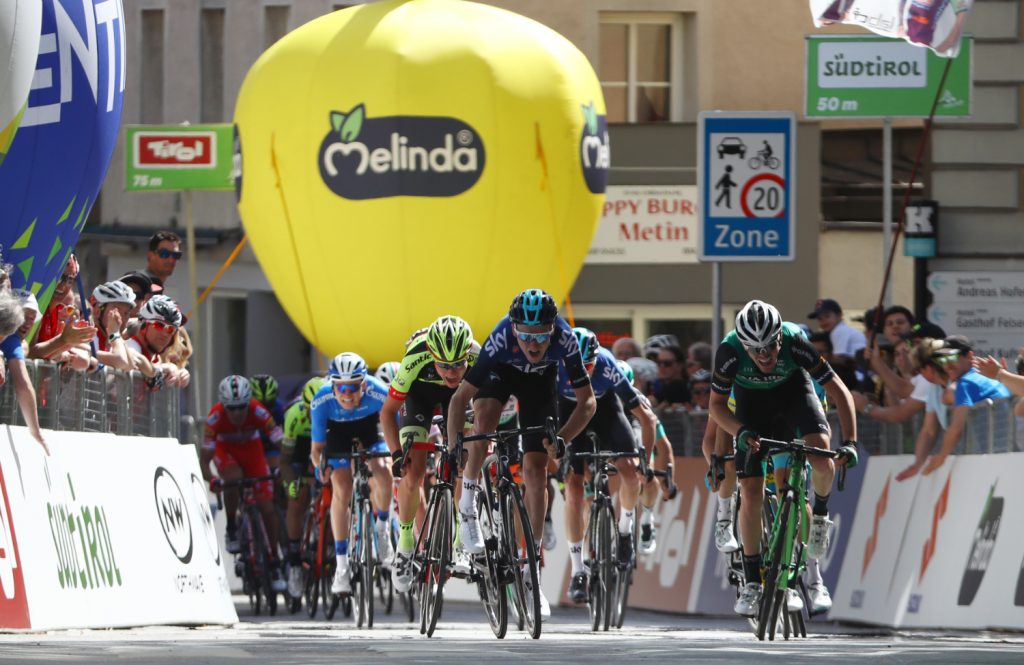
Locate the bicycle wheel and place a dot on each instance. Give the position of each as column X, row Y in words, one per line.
column 595, row 601
column 435, row 571
column 331, row 600
column 488, row 570
column 368, row 563
column 607, row 564
column 625, row 580
column 264, row 562
column 310, row 564
column 525, row 565
column 774, row 594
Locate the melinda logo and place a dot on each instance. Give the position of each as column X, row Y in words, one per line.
column 843, row 64
column 372, row 158
column 595, row 153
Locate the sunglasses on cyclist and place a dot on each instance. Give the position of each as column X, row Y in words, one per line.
column 449, row 366
column 539, row 338
column 168, row 254
column 160, row 326
column 236, row 407
column 765, row 350
column 347, row 386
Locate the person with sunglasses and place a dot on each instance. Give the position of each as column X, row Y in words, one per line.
column 769, row 365
column 232, row 440
column 163, row 256
column 111, row 304
column 63, row 333
column 434, row 364
column 344, row 413
column 615, row 395
column 521, row 357
column 160, row 319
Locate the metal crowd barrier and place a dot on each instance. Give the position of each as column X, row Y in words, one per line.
column 991, row 428
column 107, row 400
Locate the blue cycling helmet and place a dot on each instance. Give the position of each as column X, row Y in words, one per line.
column 588, row 343
column 533, row 307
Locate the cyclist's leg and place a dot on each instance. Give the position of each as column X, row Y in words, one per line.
column 229, row 469
column 538, row 400
column 805, row 414
column 409, row 488
column 486, row 415
column 254, row 465
column 341, row 494
column 574, row 505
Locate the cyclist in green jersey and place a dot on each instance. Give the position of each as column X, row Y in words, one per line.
column 435, row 362
column 294, row 465
column 769, row 365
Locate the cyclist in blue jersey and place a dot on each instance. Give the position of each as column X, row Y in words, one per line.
column 521, row 357
column 770, row 366
column 344, row 414
column 614, row 395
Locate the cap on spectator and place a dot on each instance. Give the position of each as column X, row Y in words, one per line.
column 960, row 343
column 700, row 376
column 645, row 370
column 27, row 298
column 924, row 329
column 823, row 306
column 141, row 280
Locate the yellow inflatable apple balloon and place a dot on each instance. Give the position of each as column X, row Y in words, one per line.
column 403, row 160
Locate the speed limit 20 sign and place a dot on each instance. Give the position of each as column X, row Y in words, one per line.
column 746, row 180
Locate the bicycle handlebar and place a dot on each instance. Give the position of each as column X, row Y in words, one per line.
column 799, row 447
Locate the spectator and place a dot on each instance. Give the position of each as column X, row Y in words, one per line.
column 644, row 373
column 867, row 320
column 996, row 370
column 164, row 254
column 822, row 343
column 30, row 309
column 111, row 304
column 656, row 342
column 890, row 361
column 698, row 357
column 11, row 318
column 929, row 356
column 179, row 350
column 143, row 286
column 625, row 348
column 700, row 389
column 903, row 336
column 971, row 388
column 670, row 386
column 161, row 320
column 63, row 334
column 846, row 341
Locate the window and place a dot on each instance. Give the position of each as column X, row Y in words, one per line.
column 275, row 24
column 211, row 62
column 151, row 99
column 640, row 67
column 851, row 173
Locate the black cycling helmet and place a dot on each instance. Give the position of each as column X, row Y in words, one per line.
column 533, row 307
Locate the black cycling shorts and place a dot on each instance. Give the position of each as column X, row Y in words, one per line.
column 784, row 412
column 341, row 435
column 537, row 397
column 421, row 403
column 609, row 423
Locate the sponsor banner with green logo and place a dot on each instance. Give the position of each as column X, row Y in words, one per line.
column 175, row 157
column 852, row 76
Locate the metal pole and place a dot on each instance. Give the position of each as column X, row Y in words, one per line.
column 195, row 321
column 716, row 306
column 886, row 205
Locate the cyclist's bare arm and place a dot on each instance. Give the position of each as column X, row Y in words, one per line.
column 586, row 405
column 648, row 423
column 840, row 396
column 725, row 418
column 389, row 423
column 464, row 394
column 285, row 460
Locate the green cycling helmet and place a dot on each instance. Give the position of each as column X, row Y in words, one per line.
column 264, row 388
column 448, row 339
column 626, row 369
column 310, row 389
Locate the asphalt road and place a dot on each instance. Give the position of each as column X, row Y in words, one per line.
column 463, row 636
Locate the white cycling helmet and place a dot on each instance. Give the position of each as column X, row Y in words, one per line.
column 347, row 367
column 387, row 371
column 161, row 308
column 758, row 324
column 655, row 343
column 234, row 391
column 113, row 292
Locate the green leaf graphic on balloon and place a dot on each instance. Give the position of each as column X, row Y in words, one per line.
column 590, row 118
column 348, row 125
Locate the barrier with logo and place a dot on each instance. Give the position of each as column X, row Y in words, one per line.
column 108, row 531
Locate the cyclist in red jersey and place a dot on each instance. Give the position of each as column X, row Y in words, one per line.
column 232, row 439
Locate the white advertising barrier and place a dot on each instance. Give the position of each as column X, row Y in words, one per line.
column 864, row 592
column 956, row 567
column 108, row 531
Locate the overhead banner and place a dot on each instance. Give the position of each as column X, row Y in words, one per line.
column 850, row 76
column 654, row 224
column 80, row 549
column 935, row 24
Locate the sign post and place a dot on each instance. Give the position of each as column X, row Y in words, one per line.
column 181, row 158
column 746, row 183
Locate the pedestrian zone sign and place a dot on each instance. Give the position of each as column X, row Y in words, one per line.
column 746, row 165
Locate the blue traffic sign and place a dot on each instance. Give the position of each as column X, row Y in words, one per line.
column 746, row 166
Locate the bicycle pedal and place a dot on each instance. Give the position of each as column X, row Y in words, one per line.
column 491, row 544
